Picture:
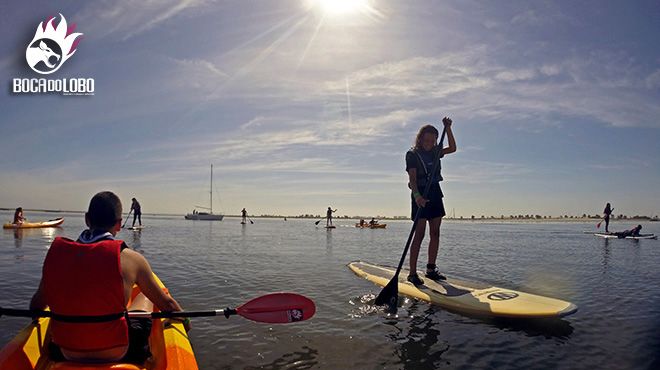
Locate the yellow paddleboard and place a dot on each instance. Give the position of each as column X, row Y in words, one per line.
column 472, row 298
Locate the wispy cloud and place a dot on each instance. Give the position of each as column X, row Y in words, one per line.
column 129, row 18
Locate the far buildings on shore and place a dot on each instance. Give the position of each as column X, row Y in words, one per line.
column 483, row 217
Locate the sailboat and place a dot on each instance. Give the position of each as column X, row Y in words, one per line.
column 206, row 216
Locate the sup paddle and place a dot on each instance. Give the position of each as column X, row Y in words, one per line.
column 274, row 308
column 127, row 217
column 390, row 293
column 317, row 222
column 251, row 222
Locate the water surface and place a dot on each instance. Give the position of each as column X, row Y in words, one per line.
column 210, row 265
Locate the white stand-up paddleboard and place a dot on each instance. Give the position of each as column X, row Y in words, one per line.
column 135, row 228
column 614, row 236
column 467, row 297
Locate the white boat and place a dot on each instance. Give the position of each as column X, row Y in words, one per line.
column 206, row 216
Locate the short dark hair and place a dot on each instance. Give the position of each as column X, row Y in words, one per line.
column 104, row 210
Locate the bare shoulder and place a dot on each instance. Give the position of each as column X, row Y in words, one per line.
column 132, row 256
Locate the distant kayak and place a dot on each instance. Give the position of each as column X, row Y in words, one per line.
column 615, row 236
column 33, row 225
column 368, row 226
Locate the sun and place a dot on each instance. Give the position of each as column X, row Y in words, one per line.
column 341, row 7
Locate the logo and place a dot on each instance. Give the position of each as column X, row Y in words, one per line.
column 295, row 315
column 52, row 46
column 502, row 296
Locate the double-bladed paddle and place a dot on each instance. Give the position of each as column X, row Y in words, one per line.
column 390, row 293
column 274, row 308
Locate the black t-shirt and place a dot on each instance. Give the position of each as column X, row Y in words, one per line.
column 422, row 161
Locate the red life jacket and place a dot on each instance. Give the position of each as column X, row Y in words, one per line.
column 85, row 279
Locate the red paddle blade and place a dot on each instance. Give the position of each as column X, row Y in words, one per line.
column 278, row 308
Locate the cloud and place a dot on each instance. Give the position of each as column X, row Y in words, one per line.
column 475, row 84
column 129, row 18
column 653, row 80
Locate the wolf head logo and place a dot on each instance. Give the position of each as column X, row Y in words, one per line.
column 51, row 46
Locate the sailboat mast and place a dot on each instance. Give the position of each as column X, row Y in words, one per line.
column 211, row 190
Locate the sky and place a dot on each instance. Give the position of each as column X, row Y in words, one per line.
column 303, row 104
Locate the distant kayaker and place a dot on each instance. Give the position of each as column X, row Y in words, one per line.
column 373, row 222
column 328, row 216
column 419, row 162
column 607, row 212
column 18, row 216
column 243, row 216
column 94, row 276
column 362, row 222
column 632, row 232
column 137, row 211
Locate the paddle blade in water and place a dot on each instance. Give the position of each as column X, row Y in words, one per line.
column 390, row 294
column 278, row 308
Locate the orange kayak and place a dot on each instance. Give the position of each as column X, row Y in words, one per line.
column 169, row 345
column 33, row 225
column 367, row 226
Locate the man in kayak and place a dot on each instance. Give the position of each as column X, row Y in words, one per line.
column 137, row 211
column 632, row 232
column 18, row 216
column 243, row 216
column 373, row 222
column 328, row 217
column 94, row 276
column 419, row 163
column 607, row 212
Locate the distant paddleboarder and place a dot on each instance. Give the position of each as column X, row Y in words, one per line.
column 18, row 216
column 419, row 162
column 328, row 217
column 243, row 216
column 607, row 212
column 137, row 211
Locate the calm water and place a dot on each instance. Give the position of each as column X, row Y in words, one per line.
column 215, row 265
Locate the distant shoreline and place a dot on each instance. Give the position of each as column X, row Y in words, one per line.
column 490, row 219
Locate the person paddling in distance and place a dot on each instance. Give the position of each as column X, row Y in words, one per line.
column 18, row 216
column 243, row 216
column 328, row 216
column 94, row 276
column 607, row 212
column 419, row 162
column 137, row 211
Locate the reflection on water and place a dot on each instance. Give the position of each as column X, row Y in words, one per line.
column 136, row 241
column 419, row 344
column 328, row 241
column 303, row 359
column 606, row 254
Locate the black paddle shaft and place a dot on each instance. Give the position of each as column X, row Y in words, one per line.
column 385, row 295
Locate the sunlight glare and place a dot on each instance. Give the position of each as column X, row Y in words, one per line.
column 341, row 7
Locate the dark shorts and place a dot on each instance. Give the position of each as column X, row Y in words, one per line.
column 434, row 208
column 139, row 330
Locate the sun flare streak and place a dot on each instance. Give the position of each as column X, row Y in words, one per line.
column 341, row 7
